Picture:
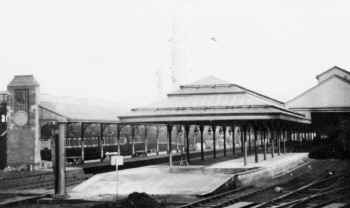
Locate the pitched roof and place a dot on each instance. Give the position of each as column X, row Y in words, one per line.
column 80, row 110
column 201, row 100
column 331, row 93
column 23, row 80
column 209, row 80
column 332, row 69
column 218, row 86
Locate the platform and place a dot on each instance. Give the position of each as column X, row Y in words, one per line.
column 191, row 180
column 277, row 160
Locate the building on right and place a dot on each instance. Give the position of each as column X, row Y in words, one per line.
column 328, row 106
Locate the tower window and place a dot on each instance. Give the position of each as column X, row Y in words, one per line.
column 22, row 100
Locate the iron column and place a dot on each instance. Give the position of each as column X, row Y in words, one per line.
column 201, row 129
column 60, row 185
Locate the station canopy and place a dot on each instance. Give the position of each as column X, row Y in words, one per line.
column 69, row 109
column 212, row 99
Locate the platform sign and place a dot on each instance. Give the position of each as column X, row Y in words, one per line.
column 117, row 160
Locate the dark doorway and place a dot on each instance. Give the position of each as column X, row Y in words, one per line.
column 333, row 132
column 330, row 124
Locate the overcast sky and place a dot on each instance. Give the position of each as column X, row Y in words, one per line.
column 113, row 49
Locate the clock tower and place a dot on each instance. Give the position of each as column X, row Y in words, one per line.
column 23, row 125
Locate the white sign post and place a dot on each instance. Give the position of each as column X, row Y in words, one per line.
column 116, row 159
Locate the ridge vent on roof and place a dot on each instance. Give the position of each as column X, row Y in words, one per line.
column 197, row 86
column 201, row 107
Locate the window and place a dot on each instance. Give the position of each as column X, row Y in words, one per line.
column 22, row 100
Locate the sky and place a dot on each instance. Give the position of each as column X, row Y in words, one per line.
column 117, row 50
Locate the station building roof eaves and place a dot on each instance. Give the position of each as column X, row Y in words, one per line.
column 214, row 113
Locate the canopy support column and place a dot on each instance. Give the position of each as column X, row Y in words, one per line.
column 177, row 138
column 292, row 139
column 146, row 140
column 201, row 129
column 304, row 137
column 301, row 139
column 225, row 135
column 82, row 142
column 279, row 132
column 233, row 140
column 255, row 144
column 214, row 140
column 157, row 140
column 132, row 139
column 273, row 134
column 244, row 144
column 242, row 139
column 119, row 128
column 187, row 132
column 249, row 140
column 60, row 183
column 310, row 136
column 169, row 128
column 284, row 140
column 264, row 139
column 100, row 142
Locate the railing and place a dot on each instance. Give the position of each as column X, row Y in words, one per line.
column 90, row 142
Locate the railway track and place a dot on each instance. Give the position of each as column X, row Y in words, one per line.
column 20, row 194
column 222, row 199
column 48, row 184
column 305, row 196
column 38, row 180
column 312, row 194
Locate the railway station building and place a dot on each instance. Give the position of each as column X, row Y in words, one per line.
column 327, row 104
column 207, row 118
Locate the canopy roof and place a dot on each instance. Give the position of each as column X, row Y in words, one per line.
column 212, row 99
column 67, row 109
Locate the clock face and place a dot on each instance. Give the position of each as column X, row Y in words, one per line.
column 20, row 118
